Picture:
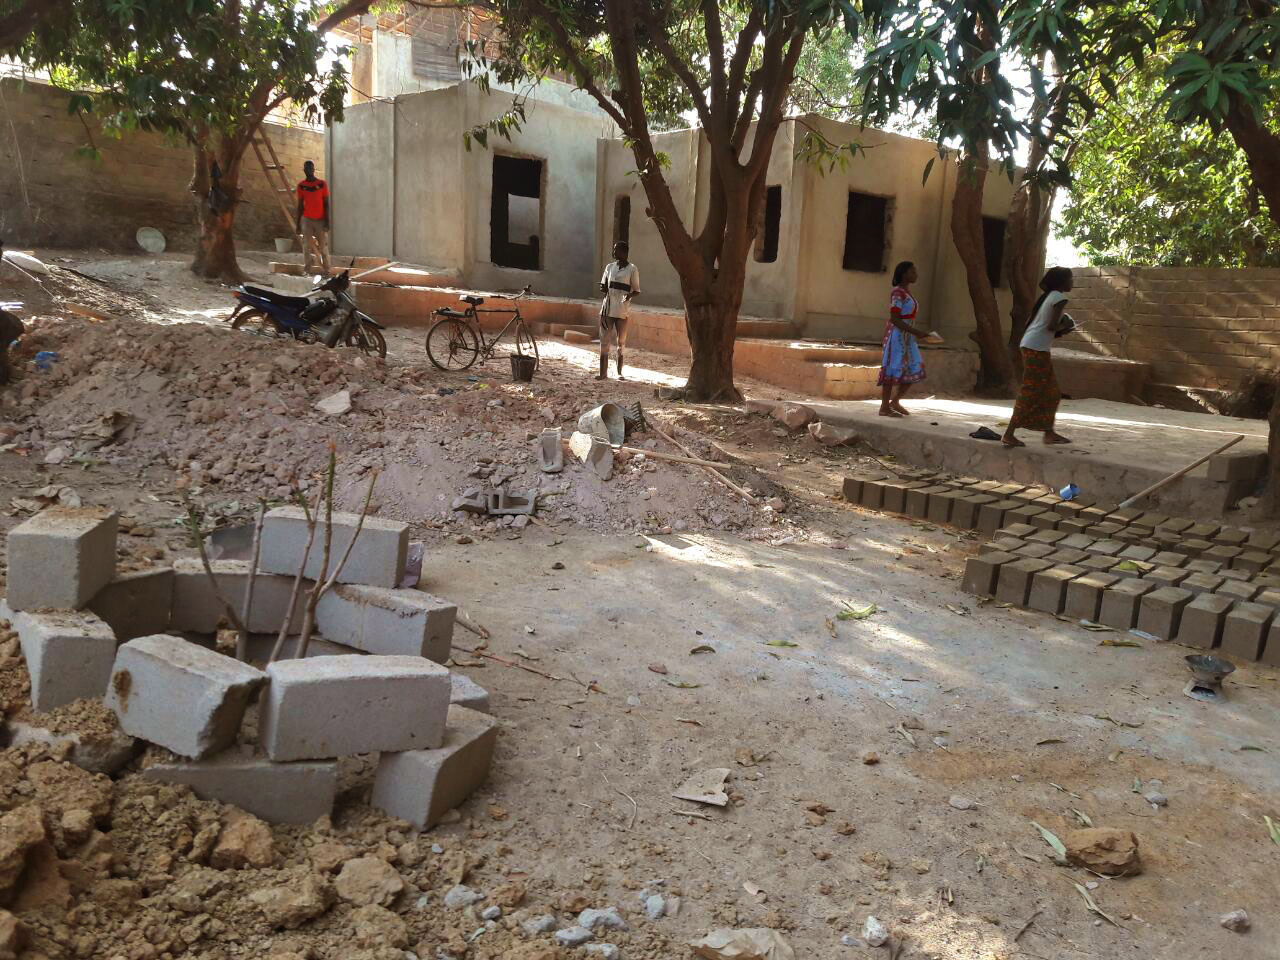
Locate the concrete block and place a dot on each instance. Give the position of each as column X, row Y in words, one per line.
column 465, row 692
column 1049, row 588
column 1222, row 554
column 1231, row 537
column 1038, row 551
column 1161, row 611
column 1244, row 631
column 941, row 505
column 1202, row 582
column 1265, row 540
column 1077, row 541
column 918, row 500
column 196, row 608
column 1046, row 520
column 1120, row 601
column 1093, row 514
column 1072, row 525
column 1124, row 516
column 1202, row 531
column 1202, row 619
column 872, row 493
column 1168, row 558
column 377, row 559
column 1270, row 596
column 1043, row 535
column 893, row 496
column 1150, row 520
column 180, row 696
column 1106, row 529
column 1084, row 595
column 981, row 573
column 851, row 489
column 1026, row 514
column 299, row 793
column 338, row 706
column 388, row 622
column 1203, row 566
column 421, row 786
column 991, row 516
column 1193, row 546
column 1167, row 576
column 261, row 645
column 1004, row 545
column 60, row 558
column 136, row 604
column 1252, row 561
column 1020, row 530
column 1176, row 525
column 1100, row 564
column 1064, row 555
column 964, row 511
column 1138, row 553
column 1105, row 547
column 1014, row 584
column 69, row 654
column 1238, row 590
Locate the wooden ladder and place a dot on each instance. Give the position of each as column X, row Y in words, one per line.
column 277, row 181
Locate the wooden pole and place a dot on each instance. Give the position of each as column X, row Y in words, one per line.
column 705, row 464
column 1174, row 476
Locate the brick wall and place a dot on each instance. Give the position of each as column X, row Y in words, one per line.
column 61, row 199
column 1200, row 328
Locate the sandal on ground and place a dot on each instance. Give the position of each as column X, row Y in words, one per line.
column 889, row 412
column 900, row 410
column 1012, row 442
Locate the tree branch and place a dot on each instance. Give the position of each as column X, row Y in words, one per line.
column 658, row 37
column 15, row 27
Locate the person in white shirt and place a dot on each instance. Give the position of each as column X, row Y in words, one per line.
column 620, row 284
column 1037, row 405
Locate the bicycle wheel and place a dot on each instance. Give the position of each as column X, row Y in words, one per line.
column 368, row 339
column 452, row 344
column 258, row 323
column 526, row 343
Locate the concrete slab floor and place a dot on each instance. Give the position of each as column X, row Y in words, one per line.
column 1025, row 714
column 1117, row 449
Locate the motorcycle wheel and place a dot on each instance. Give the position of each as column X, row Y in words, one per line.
column 258, row 323
column 368, row 339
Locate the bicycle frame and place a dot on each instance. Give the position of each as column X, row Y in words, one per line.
column 487, row 346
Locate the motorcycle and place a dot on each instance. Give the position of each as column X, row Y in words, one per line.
column 327, row 314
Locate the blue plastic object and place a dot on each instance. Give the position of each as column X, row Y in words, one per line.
column 45, row 359
column 1069, row 492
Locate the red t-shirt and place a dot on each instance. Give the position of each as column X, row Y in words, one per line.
column 312, row 193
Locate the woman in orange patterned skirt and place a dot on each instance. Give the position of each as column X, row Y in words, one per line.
column 1037, row 405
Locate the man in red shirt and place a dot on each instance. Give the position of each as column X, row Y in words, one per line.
column 313, row 217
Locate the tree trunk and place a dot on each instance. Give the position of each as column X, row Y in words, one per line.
column 216, row 200
column 1273, row 452
column 1261, row 148
column 1026, row 233
column 712, row 327
column 994, row 372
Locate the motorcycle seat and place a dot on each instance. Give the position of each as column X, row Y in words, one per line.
column 474, row 301
column 276, row 297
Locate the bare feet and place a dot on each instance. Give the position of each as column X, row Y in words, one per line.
column 899, row 409
column 1051, row 437
column 1010, row 441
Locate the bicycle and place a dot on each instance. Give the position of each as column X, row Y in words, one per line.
column 456, row 340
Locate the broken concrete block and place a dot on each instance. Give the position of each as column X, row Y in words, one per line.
column 765, row 407
column 60, row 558
column 1084, row 595
column 465, row 692
column 594, row 452
column 1014, row 585
column 471, row 501
column 1049, row 587
column 181, row 696
column 1160, row 612
column 197, row 609
column 421, row 786
column 1120, row 601
column 300, row 792
column 390, row 622
column 503, row 504
column 1201, row 621
column 377, row 558
column 92, row 751
column 551, row 450
column 339, row 706
column 69, row 654
column 136, row 604
column 830, row 435
column 796, row 416
column 1244, row 631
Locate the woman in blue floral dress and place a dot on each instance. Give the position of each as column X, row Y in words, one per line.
column 901, row 364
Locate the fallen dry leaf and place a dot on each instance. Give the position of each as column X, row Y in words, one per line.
column 658, row 668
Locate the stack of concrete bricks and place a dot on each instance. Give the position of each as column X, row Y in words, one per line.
column 1199, row 583
column 373, row 680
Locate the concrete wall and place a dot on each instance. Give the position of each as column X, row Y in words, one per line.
column 49, row 196
column 411, row 191
column 808, row 283
column 1203, row 328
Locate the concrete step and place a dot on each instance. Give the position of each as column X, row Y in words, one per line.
column 766, row 329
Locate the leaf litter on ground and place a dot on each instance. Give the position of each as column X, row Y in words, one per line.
column 855, row 613
column 1052, row 840
column 1093, row 907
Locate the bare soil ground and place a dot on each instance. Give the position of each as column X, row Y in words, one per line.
column 656, row 626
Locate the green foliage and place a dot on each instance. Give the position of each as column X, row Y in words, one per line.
column 195, row 68
column 1150, row 191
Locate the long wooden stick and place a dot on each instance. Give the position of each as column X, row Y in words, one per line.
column 1174, row 476
column 711, row 470
column 673, row 457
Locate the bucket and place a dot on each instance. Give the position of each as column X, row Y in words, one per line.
column 284, row 244
column 1069, row 492
column 522, row 367
column 606, row 422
